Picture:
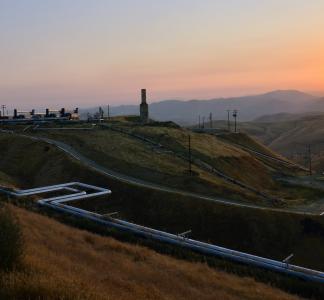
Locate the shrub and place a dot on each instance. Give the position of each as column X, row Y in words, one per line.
column 11, row 241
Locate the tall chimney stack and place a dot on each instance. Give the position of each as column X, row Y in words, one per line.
column 143, row 95
column 144, row 113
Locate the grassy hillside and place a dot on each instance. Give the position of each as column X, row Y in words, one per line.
column 262, row 231
column 135, row 158
column 242, row 139
column 264, row 131
column 291, row 138
column 225, row 157
column 225, row 153
column 172, row 212
column 168, row 165
column 66, row 263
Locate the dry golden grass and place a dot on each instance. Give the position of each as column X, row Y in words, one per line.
column 67, row 263
column 204, row 143
column 108, row 144
column 131, row 156
column 226, row 157
column 122, row 153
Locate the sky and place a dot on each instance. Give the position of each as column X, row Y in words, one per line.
column 84, row 53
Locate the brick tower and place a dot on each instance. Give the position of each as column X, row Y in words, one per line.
column 144, row 114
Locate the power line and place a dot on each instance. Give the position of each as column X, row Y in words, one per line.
column 228, row 120
column 310, row 159
column 235, row 119
column 307, row 155
column 189, row 153
column 3, row 107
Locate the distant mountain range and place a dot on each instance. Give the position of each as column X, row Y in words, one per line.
column 249, row 107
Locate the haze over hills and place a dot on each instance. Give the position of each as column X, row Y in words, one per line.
column 290, row 135
column 250, row 107
column 283, row 132
column 284, row 117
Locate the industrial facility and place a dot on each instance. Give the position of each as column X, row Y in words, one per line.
column 99, row 115
column 33, row 116
column 52, row 115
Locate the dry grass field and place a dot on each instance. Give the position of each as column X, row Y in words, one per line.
column 131, row 156
column 128, row 155
column 44, row 164
column 290, row 136
column 224, row 156
column 248, row 141
column 66, row 263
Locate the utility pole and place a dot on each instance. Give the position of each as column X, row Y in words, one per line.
column 228, row 120
column 235, row 120
column 310, row 159
column 189, row 153
column 211, row 120
column 3, row 107
column 108, row 112
column 101, row 114
column 199, row 122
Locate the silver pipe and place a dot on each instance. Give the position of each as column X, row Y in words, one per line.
column 57, row 203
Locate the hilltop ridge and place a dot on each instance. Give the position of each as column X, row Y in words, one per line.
column 250, row 106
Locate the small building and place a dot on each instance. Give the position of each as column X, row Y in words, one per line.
column 144, row 112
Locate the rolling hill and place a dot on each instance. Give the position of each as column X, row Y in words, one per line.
column 159, row 153
column 62, row 262
column 290, row 135
column 30, row 163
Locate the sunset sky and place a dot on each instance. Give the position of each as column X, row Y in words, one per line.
column 85, row 53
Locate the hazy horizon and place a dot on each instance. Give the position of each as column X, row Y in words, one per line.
column 70, row 105
column 81, row 53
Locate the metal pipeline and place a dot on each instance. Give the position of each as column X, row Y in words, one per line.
column 58, row 203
